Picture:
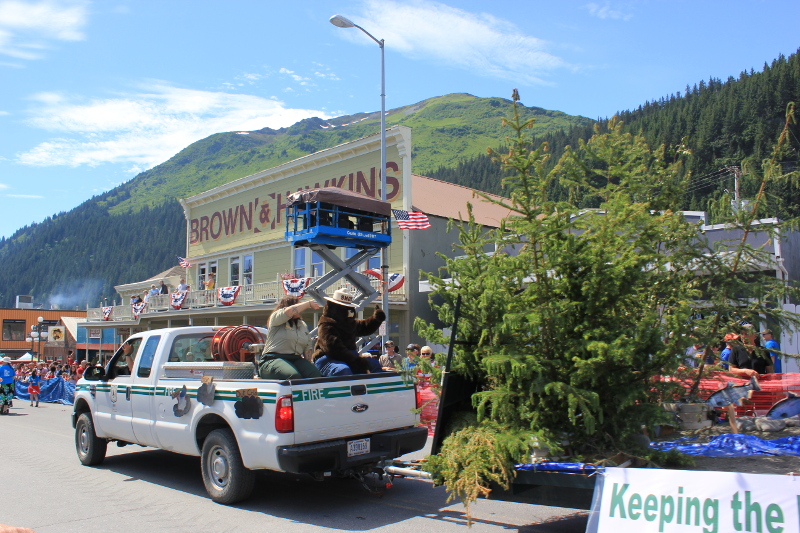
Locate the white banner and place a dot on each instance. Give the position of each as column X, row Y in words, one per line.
column 639, row 500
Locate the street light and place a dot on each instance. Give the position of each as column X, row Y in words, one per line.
column 38, row 332
column 343, row 22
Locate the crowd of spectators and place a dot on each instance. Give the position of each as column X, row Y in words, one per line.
column 70, row 371
column 741, row 350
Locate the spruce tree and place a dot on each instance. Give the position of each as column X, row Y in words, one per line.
column 570, row 326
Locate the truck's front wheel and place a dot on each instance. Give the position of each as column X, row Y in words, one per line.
column 224, row 475
column 91, row 449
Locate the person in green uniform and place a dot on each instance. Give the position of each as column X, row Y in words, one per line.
column 287, row 342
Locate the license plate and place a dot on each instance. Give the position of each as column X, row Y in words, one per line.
column 357, row 447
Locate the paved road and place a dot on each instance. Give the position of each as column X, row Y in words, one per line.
column 142, row 489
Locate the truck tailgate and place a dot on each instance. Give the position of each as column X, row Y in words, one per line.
column 327, row 408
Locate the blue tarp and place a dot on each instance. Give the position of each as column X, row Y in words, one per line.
column 574, row 468
column 55, row 390
column 730, row 445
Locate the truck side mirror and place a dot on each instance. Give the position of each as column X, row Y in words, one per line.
column 94, row 373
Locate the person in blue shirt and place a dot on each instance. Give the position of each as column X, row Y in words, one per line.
column 772, row 346
column 724, row 355
column 7, row 374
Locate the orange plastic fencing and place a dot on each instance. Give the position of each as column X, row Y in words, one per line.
column 773, row 388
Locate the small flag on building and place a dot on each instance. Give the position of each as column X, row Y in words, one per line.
column 184, row 262
column 411, row 219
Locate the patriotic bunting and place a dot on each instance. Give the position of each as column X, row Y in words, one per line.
column 107, row 312
column 411, row 219
column 227, row 295
column 137, row 309
column 296, row 287
column 395, row 280
column 176, row 299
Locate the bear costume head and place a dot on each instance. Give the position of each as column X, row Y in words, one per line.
column 338, row 328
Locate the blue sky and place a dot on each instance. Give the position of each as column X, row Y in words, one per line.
column 92, row 93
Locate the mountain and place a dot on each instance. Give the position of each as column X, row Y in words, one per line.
column 137, row 229
column 731, row 122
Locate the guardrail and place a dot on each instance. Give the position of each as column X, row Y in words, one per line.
column 249, row 295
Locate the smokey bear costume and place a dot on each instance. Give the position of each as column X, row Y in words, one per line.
column 337, row 331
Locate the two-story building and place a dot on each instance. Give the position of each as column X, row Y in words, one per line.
column 236, row 231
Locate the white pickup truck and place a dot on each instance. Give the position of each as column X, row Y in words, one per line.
column 177, row 398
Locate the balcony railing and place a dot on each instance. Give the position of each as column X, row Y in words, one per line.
column 249, row 295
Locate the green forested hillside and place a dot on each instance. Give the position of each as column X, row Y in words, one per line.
column 735, row 122
column 136, row 230
column 445, row 129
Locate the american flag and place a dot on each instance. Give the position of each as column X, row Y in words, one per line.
column 184, row 262
column 411, row 219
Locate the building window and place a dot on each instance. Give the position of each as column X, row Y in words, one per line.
column 304, row 257
column 203, row 269
column 317, row 265
column 234, row 271
column 247, row 270
column 299, row 262
column 14, row 330
column 373, row 262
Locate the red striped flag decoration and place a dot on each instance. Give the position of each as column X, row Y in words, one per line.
column 184, row 262
column 411, row 219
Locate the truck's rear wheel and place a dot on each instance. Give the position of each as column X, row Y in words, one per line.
column 91, row 449
column 224, row 475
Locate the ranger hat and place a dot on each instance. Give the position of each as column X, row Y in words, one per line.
column 342, row 297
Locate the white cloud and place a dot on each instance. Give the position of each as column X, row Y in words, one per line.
column 606, row 12
column 3, row 186
column 27, row 28
column 146, row 128
column 480, row 43
column 26, row 196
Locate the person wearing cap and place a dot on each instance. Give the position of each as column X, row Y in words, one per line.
column 772, row 346
column 7, row 374
column 336, row 353
column 412, row 352
column 282, row 355
column 391, row 360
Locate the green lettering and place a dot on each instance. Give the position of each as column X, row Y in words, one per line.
column 650, row 507
column 711, row 518
column 634, row 505
column 774, row 515
column 617, row 501
column 667, row 511
column 749, row 509
column 692, row 502
column 736, row 505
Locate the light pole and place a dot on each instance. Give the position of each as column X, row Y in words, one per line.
column 343, row 22
column 38, row 332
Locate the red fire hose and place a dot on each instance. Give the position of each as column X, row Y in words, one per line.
column 229, row 340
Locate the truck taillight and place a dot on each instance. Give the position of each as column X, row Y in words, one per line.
column 284, row 415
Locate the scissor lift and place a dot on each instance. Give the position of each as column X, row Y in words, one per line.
column 324, row 219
